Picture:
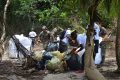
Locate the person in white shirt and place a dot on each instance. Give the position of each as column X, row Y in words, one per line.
column 78, row 42
column 96, row 37
column 32, row 35
column 80, row 38
column 62, row 45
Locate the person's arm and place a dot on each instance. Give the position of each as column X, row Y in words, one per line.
column 80, row 47
column 50, row 36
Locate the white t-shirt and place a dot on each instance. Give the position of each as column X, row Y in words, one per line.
column 97, row 30
column 32, row 34
column 81, row 39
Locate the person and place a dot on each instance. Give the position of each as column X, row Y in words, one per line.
column 32, row 35
column 54, row 34
column 96, row 38
column 104, row 36
column 45, row 37
column 78, row 42
column 62, row 46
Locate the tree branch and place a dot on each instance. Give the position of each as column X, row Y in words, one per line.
column 4, row 21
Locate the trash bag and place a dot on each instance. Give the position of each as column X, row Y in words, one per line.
column 47, row 55
column 40, row 65
column 53, row 46
column 62, row 47
column 37, row 55
column 54, row 64
column 13, row 51
column 73, row 62
column 58, row 55
column 98, row 57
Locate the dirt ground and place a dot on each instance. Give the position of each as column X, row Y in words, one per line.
column 11, row 70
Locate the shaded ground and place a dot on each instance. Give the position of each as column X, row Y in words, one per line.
column 10, row 70
column 109, row 67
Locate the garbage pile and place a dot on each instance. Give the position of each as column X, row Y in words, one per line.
column 49, row 59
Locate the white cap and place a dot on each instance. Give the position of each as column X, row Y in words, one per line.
column 68, row 32
column 44, row 27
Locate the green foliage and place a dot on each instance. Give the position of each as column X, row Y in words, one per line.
column 115, row 8
column 53, row 13
column 110, row 7
column 38, row 10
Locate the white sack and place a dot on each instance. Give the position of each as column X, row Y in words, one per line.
column 25, row 41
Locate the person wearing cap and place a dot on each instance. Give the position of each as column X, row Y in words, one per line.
column 32, row 35
column 96, row 37
column 63, row 38
column 45, row 36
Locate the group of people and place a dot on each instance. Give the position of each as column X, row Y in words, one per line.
column 78, row 42
column 44, row 36
column 71, row 40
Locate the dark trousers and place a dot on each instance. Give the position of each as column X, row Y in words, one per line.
column 33, row 41
column 96, row 42
column 103, row 50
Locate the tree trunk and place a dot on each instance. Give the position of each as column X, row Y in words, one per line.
column 3, row 28
column 91, row 71
column 118, row 44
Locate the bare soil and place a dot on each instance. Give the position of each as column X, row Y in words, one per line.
column 10, row 70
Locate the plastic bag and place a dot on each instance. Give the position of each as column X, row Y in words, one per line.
column 13, row 53
column 53, row 64
column 25, row 41
column 37, row 55
column 98, row 57
column 74, row 62
column 52, row 46
column 57, row 54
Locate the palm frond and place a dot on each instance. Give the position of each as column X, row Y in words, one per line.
column 84, row 4
column 107, row 4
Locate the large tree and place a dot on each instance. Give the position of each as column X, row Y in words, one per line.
column 118, row 44
column 89, row 63
column 118, row 40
